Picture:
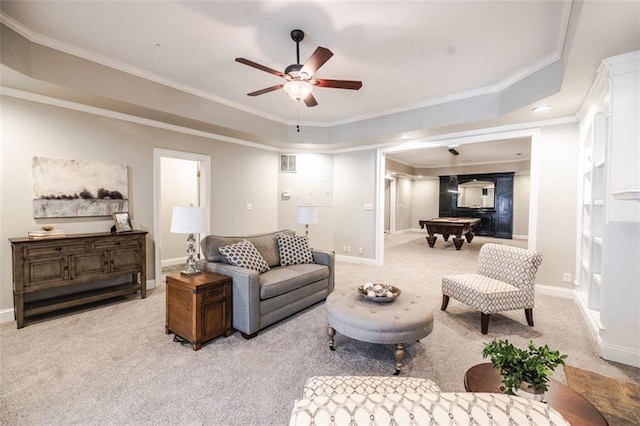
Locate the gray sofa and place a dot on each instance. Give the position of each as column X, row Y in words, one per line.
column 261, row 299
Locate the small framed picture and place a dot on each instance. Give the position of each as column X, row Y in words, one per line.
column 122, row 222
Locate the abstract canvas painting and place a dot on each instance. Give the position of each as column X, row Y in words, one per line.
column 75, row 188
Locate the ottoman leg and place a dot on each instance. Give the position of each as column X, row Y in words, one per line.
column 331, row 332
column 399, row 357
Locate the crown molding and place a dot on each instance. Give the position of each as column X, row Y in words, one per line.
column 92, row 57
column 47, row 100
column 81, row 53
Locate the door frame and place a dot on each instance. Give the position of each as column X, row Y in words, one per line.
column 532, row 133
column 204, row 166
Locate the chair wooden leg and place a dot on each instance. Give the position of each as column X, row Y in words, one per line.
column 484, row 322
column 529, row 314
column 445, row 302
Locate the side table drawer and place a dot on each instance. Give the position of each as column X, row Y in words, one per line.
column 212, row 294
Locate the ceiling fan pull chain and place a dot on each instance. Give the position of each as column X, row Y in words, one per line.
column 298, row 117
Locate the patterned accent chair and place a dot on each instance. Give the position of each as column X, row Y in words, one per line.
column 505, row 281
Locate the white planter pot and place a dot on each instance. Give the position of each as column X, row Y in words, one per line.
column 525, row 390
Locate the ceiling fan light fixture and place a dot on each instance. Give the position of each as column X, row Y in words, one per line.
column 298, row 89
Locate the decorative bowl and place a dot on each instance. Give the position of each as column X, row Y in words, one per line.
column 378, row 292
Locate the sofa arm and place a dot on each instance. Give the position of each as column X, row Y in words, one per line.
column 246, row 294
column 328, row 258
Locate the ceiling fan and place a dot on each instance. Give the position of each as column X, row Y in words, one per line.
column 299, row 77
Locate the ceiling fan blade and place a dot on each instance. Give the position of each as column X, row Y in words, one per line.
column 318, row 59
column 267, row 90
column 260, row 67
column 339, row 84
column 310, row 101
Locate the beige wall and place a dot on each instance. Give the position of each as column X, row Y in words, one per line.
column 179, row 188
column 404, row 203
column 311, row 184
column 354, row 186
column 244, row 175
column 556, row 193
column 240, row 174
column 521, row 194
column 426, row 201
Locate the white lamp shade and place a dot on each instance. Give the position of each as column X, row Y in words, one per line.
column 307, row 214
column 189, row 220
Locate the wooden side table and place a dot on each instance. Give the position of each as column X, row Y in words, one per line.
column 199, row 307
column 573, row 406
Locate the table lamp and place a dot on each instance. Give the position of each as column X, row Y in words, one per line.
column 307, row 215
column 189, row 220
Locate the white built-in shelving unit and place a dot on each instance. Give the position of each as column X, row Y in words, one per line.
column 608, row 247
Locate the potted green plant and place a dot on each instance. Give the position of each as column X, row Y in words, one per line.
column 525, row 372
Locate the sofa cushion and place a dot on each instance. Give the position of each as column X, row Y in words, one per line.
column 266, row 244
column 280, row 280
column 294, row 249
column 245, row 255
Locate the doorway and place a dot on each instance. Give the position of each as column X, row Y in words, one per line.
column 181, row 179
column 386, row 197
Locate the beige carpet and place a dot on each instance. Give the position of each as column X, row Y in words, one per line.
column 113, row 364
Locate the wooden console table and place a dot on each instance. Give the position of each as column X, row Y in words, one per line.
column 573, row 406
column 57, row 273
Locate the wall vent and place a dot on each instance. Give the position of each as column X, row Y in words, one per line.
column 287, row 163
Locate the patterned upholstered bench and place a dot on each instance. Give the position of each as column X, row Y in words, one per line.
column 411, row 401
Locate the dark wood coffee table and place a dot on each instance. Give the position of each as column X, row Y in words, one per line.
column 573, row 407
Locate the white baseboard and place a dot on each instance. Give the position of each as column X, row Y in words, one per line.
column 549, row 290
column 519, row 237
column 175, row 261
column 6, row 315
column 355, row 260
column 619, row 354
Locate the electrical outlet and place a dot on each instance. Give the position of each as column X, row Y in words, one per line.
column 348, row 249
column 566, row 277
column 249, row 206
column 360, row 251
column 344, row 249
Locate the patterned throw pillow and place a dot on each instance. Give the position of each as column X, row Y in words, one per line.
column 294, row 249
column 245, row 255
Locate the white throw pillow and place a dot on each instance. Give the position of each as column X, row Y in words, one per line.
column 245, row 255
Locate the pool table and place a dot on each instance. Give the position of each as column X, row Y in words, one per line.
column 457, row 226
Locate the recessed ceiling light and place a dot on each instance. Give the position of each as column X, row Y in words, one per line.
column 542, row 108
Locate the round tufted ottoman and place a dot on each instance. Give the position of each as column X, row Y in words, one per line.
column 406, row 319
